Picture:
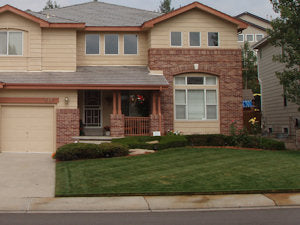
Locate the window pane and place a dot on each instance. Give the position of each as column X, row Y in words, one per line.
column 180, row 80
column 180, row 97
column 130, row 44
column 92, row 43
column 111, row 44
column 240, row 37
column 15, row 43
column 194, row 38
column 180, row 112
column 211, row 112
column 3, row 43
column 211, row 97
column 175, row 38
column 250, row 37
column 213, row 39
column 195, row 80
column 196, row 104
column 211, row 81
column 259, row 37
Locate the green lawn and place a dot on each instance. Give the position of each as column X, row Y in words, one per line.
column 182, row 170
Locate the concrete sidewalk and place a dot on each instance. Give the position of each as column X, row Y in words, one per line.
column 147, row 203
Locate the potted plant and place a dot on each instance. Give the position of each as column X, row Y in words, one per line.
column 107, row 130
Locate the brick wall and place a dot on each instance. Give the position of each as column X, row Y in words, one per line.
column 67, row 126
column 117, row 125
column 154, row 124
column 226, row 64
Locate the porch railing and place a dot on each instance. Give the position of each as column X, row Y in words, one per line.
column 137, row 126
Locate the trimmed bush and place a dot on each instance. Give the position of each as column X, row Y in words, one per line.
column 170, row 142
column 113, row 150
column 77, row 151
column 207, row 140
column 272, row 144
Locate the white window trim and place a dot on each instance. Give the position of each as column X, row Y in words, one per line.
column 8, row 31
column 99, row 46
column 199, row 87
column 218, row 40
column 243, row 38
column 176, row 46
column 137, row 45
column 250, row 35
column 192, row 46
column 118, row 44
column 256, row 37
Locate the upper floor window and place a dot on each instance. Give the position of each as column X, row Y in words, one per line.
column 111, row 44
column 196, row 98
column 130, row 44
column 250, row 37
column 176, row 39
column 92, row 44
column 195, row 39
column 11, row 43
column 259, row 37
column 240, row 38
column 213, row 39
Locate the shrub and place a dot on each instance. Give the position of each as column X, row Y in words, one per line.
column 170, row 142
column 77, row 151
column 271, row 144
column 113, row 150
column 207, row 140
column 136, row 142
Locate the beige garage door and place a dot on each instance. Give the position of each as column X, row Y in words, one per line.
column 27, row 129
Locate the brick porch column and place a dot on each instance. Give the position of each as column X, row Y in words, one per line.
column 156, row 117
column 117, row 119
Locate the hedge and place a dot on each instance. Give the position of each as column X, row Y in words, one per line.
column 76, row 151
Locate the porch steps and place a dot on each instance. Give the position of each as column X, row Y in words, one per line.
column 93, row 139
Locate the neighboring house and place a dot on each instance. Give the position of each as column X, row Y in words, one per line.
column 95, row 65
column 281, row 118
column 256, row 31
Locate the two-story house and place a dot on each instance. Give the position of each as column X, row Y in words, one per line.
column 90, row 66
column 281, row 118
column 256, row 30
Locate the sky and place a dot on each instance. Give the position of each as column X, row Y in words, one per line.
column 262, row 8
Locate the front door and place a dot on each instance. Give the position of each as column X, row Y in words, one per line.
column 92, row 109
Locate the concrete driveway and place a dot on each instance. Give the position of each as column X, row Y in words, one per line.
column 25, row 175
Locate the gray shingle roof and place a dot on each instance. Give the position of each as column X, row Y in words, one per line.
column 97, row 14
column 95, row 75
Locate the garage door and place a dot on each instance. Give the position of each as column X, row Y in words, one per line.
column 27, row 129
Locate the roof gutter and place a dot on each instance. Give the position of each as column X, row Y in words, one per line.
column 84, row 86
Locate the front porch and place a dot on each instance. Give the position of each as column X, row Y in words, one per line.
column 119, row 113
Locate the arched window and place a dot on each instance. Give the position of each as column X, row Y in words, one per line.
column 196, row 97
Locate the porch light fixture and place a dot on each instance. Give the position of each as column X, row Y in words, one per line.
column 67, row 100
column 196, row 66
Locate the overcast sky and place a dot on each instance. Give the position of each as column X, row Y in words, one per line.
column 262, row 8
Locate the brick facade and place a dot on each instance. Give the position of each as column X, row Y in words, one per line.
column 154, row 124
column 226, row 64
column 67, row 126
column 117, row 123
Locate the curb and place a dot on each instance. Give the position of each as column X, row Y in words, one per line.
column 149, row 203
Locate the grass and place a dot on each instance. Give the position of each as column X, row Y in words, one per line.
column 181, row 170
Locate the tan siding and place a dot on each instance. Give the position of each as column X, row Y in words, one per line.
column 120, row 59
column 255, row 21
column 59, row 49
column 61, row 94
column 31, row 59
column 194, row 20
column 197, row 127
column 275, row 114
column 252, row 30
